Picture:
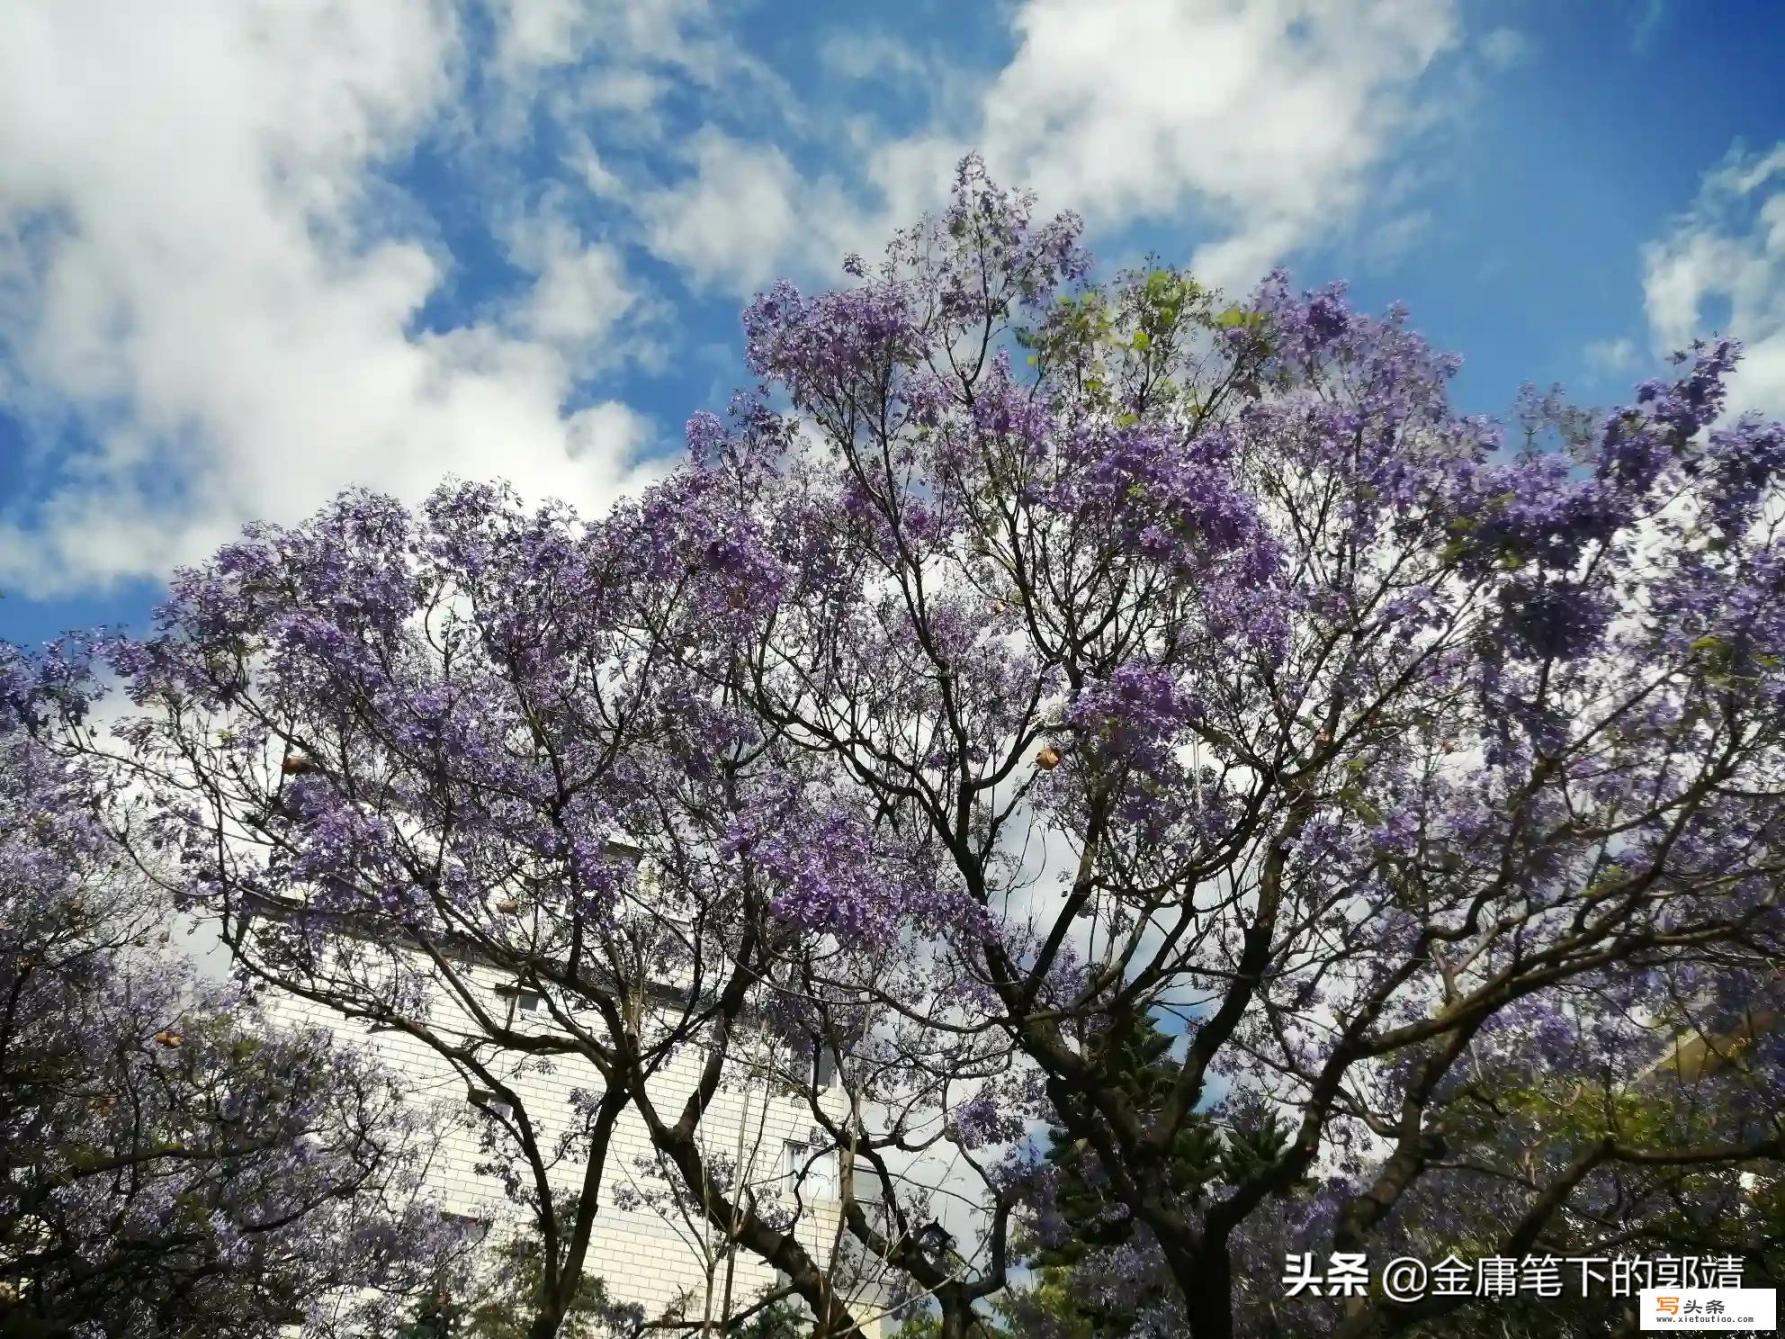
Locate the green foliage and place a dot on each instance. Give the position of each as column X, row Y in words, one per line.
column 778, row 1320
column 1051, row 1298
column 1008, row 1307
column 1135, row 1057
column 919, row 1327
column 511, row 1304
column 1130, row 348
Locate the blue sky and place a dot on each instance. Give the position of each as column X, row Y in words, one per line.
column 259, row 253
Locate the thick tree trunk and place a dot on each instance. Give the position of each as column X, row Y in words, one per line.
column 954, row 1323
column 1208, row 1294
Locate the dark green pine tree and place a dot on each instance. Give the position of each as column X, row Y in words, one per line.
column 779, row 1320
column 1134, row 1056
column 436, row 1318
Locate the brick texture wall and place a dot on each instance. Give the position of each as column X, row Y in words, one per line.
column 645, row 1252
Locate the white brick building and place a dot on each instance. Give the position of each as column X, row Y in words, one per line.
column 645, row 1251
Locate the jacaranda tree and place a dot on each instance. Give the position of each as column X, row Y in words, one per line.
column 167, row 1167
column 1028, row 656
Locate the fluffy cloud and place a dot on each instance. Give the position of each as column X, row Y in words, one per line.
column 733, row 220
column 1262, row 121
column 583, row 302
column 1721, row 266
column 1506, row 47
column 1264, row 118
column 1611, row 357
column 857, row 53
column 209, row 302
column 619, row 56
column 211, row 299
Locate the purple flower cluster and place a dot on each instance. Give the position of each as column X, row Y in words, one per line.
column 1134, row 718
column 1025, row 648
column 265, row 1169
column 829, row 872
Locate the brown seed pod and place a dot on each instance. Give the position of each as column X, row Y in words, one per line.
column 1048, row 758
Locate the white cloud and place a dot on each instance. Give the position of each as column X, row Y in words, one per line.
column 635, row 92
column 1721, row 266
column 201, row 269
column 603, row 183
column 1263, row 120
column 627, row 35
column 732, row 218
column 1505, row 47
column 857, row 53
column 1611, row 357
column 583, row 302
column 581, row 291
column 1266, row 118
column 1389, row 242
column 187, row 267
column 533, row 34
column 617, row 60
column 742, row 214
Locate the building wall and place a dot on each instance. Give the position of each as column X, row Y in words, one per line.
column 643, row 1249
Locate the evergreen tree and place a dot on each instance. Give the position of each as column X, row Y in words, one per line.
column 1134, row 1057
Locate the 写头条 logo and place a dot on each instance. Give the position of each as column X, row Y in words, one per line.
column 1751, row 1309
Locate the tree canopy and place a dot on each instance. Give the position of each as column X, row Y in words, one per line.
column 1028, row 658
column 171, row 1167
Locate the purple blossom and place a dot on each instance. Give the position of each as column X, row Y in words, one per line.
column 1028, row 649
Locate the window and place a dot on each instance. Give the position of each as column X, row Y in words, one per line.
column 490, row 1102
column 812, row 1173
column 528, row 999
column 470, row 1227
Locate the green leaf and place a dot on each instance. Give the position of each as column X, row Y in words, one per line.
column 1352, row 797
